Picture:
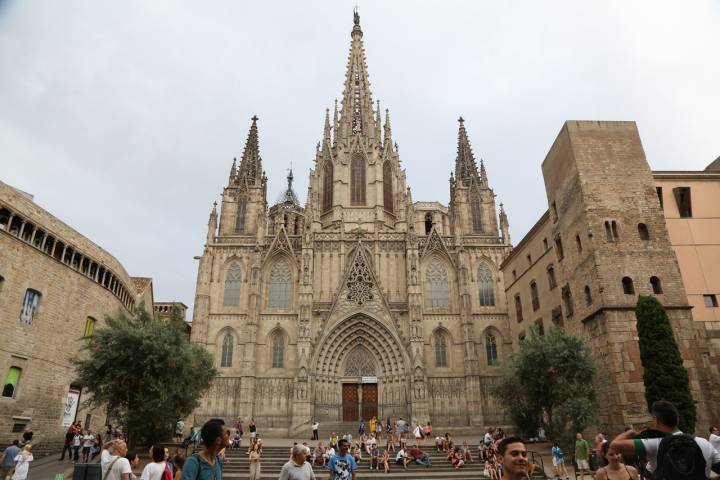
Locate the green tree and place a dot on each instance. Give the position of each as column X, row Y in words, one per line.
column 146, row 372
column 549, row 384
column 664, row 374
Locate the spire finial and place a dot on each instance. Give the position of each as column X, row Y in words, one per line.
column 356, row 16
column 461, row 120
column 250, row 165
column 388, row 129
column 326, row 129
column 290, row 177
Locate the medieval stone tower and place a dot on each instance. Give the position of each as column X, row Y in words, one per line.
column 362, row 303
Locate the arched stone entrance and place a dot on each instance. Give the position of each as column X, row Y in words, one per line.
column 360, row 371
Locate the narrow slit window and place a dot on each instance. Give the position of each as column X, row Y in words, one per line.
column 518, row 308
column 534, row 296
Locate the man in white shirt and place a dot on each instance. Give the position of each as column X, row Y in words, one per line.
column 401, row 458
column 113, row 463
column 88, row 441
column 665, row 419
column 297, row 468
column 315, row 427
column 714, row 438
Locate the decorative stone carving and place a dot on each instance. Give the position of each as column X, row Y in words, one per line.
column 359, row 363
column 359, row 280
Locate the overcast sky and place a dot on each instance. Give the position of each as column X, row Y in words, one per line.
column 122, row 117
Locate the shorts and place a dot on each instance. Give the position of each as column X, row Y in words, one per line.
column 583, row 465
column 557, row 461
column 400, row 461
column 253, row 434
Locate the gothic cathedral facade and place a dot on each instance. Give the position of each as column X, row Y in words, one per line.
column 363, row 303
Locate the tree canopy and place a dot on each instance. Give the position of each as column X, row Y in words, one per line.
column 664, row 375
column 145, row 371
column 549, row 384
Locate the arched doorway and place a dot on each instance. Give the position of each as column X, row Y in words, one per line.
column 359, row 386
column 360, row 372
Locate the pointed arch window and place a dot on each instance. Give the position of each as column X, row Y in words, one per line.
column 231, row 297
column 491, row 349
column 240, row 216
column 227, row 351
column 388, row 187
column 327, row 186
column 278, row 350
column 437, row 290
column 440, row 350
column 486, row 286
column 357, row 180
column 476, row 214
column 279, row 285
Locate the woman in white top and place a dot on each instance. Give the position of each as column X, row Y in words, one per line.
column 22, row 463
column 155, row 470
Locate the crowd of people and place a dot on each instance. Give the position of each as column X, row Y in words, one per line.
column 660, row 450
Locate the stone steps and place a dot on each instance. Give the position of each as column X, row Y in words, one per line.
column 273, row 458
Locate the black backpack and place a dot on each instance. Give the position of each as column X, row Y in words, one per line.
column 679, row 458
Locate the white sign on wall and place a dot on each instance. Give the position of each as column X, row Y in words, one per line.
column 368, row 380
column 71, row 406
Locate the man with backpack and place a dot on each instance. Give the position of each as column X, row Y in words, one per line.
column 207, row 465
column 670, row 453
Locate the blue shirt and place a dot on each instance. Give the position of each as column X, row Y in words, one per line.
column 197, row 468
column 557, row 453
column 341, row 467
column 10, row 453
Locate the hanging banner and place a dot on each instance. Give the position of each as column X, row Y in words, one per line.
column 71, row 406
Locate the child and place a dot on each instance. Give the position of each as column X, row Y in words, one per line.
column 374, row 458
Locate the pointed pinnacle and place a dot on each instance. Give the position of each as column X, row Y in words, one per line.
column 326, row 131
column 388, row 129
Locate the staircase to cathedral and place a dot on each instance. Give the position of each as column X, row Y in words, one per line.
column 273, row 458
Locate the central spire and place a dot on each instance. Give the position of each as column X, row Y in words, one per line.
column 250, row 170
column 356, row 116
column 466, row 170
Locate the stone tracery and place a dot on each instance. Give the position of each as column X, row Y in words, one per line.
column 359, row 280
column 359, row 363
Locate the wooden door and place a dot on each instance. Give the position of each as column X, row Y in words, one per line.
column 350, row 400
column 369, row 401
